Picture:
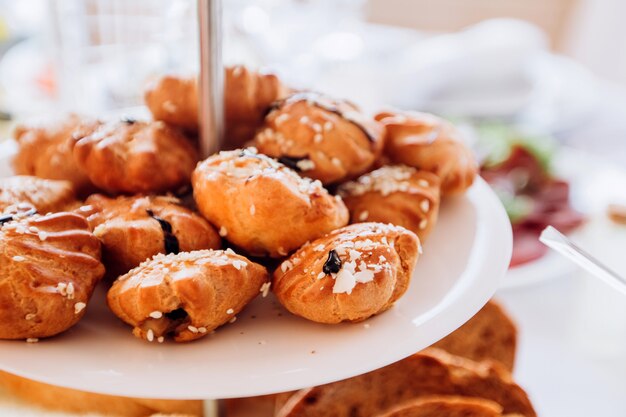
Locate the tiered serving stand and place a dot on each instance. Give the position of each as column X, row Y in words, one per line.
column 267, row 350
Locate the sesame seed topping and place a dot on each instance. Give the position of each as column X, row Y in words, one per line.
column 423, row 224
column 156, row 314
column 364, row 215
column 160, row 339
column 281, row 251
column 234, row 319
column 150, row 335
column 237, row 71
column 230, row 251
column 192, row 329
column 304, row 120
column 281, row 118
column 425, row 205
column 32, row 340
column 317, row 127
column 423, row 183
column 286, row 266
column 252, row 210
column 30, row 316
column 321, row 275
column 18, row 258
column 318, row 138
column 223, row 232
column 70, row 291
column 169, row 106
column 336, row 161
column 305, row 165
column 78, row 307
column 239, row 264
column 230, row 311
column 385, row 180
column 202, row 330
column 42, row 236
column 328, row 126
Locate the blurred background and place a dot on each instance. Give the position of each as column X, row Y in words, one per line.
column 545, row 76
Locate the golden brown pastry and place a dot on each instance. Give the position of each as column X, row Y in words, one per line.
column 185, row 295
column 322, row 138
column 133, row 229
column 395, row 194
column 445, row 406
column 46, row 151
column 349, row 274
column 49, row 266
column 261, row 205
column 174, row 100
column 247, row 97
column 136, row 157
column 44, row 195
column 429, row 143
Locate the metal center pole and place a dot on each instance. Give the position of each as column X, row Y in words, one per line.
column 211, row 88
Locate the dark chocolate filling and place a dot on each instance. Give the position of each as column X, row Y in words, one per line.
column 292, row 161
column 326, row 104
column 170, row 240
column 5, row 218
column 332, row 264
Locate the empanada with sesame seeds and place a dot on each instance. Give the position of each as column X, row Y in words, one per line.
column 133, row 229
column 43, row 195
column 262, row 206
column 320, row 137
column 185, row 295
column 45, row 150
column 429, row 143
column 49, row 267
column 348, row 275
column 395, row 194
column 129, row 157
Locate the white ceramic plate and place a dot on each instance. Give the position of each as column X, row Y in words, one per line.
column 594, row 184
column 267, row 350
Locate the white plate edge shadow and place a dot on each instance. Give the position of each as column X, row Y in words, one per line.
column 473, row 288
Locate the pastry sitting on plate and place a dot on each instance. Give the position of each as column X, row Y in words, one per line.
column 429, row 143
column 262, row 206
column 185, row 295
column 395, row 194
column 131, row 156
column 133, row 229
column 247, row 97
column 49, row 267
column 46, row 151
column 43, row 195
column 320, row 137
column 349, row 274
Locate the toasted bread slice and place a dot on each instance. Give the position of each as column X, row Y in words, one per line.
column 430, row 372
column 72, row 401
column 490, row 334
column 445, row 406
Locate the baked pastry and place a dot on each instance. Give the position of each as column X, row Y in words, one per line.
column 322, row 138
column 185, row 295
column 46, row 151
column 427, row 373
column 445, row 406
column 247, row 97
column 43, row 195
column 348, row 275
column 133, row 229
column 429, row 143
column 490, row 334
column 49, row 267
column 174, row 100
column 395, row 194
column 262, row 206
column 136, row 157
column 81, row 403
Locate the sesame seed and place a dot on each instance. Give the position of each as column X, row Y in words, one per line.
column 150, row 335
column 169, row 106
column 230, row 251
column 425, row 206
column 18, row 258
column 281, row 251
column 423, row 224
column 336, row 161
column 234, row 319
column 230, row 311
column 364, row 215
column 265, row 289
column 321, row 275
column 70, row 291
column 304, row 120
column 78, row 307
column 192, row 329
column 281, row 118
column 321, row 288
column 156, row 314
column 30, row 316
column 223, row 232
column 202, row 330
column 317, row 138
column 42, row 236
column 317, row 127
column 423, row 183
column 328, row 126
column 237, row 71
column 33, row 229
column 252, row 210
column 32, row 340
column 160, row 339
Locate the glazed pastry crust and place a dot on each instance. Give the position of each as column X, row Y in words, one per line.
column 49, row 267
column 44, row 195
column 429, row 143
column 130, row 234
column 136, row 157
column 174, row 100
column 262, row 206
column 211, row 287
column 326, row 139
column 382, row 257
column 46, row 151
column 395, row 194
